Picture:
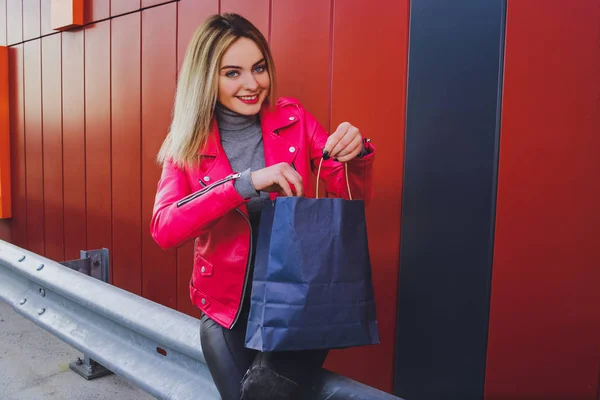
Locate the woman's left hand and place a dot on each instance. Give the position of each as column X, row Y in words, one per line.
column 344, row 144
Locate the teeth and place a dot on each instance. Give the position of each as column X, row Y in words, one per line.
column 248, row 97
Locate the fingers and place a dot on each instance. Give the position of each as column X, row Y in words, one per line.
column 286, row 178
column 284, row 185
column 336, row 136
column 351, row 147
column 294, row 178
column 352, row 151
column 347, row 144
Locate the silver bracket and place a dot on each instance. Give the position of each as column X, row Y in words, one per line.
column 92, row 263
column 89, row 368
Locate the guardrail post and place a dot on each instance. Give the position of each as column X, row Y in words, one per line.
column 92, row 263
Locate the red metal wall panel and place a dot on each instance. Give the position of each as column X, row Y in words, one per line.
column 159, row 74
column 95, row 10
column 97, row 135
column 45, row 16
column 256, row 11
column 2, row 22
column 17, row 147
column 118, row 7
column 5, row 230
column 74, row 142
column 545, row 314
column 14, row 21
column 126, row 143
column 31, row 19
column 369, row 79
column 150, row 3
column 290, row 41
column 53, row 151
column 33, row 146
column 190, row 14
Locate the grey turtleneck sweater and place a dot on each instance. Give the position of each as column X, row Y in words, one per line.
column 241, row 137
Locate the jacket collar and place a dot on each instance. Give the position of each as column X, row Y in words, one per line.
column 212, row 147
column 272, row 120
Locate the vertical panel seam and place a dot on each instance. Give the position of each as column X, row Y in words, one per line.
column 23, row 102
column 331, row 44
column 496, row 169
column 402, row 197
column 42, row 144
column 22, row 29
column 62, row 147
column 85, row 148
column 270, row 22
column 141, row 159
column 110, row 137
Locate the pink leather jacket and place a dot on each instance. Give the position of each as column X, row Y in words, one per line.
column 200, row 202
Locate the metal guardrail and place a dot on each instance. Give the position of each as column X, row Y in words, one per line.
column 151, row 346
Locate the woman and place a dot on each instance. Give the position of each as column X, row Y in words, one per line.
column 230, row 147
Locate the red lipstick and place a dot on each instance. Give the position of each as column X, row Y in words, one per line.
column 250, row 99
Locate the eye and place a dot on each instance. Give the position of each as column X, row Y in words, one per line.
column 232, row 74
column 260, row 69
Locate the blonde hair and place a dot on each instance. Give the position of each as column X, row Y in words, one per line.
column 198, row 85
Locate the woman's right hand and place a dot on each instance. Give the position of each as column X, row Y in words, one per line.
column 281, row 178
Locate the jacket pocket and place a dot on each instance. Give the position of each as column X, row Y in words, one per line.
column 199, row 298
column 205, row 268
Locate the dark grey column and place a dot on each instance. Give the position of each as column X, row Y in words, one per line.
column 448, row 211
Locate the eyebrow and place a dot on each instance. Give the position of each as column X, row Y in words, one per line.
column 236, row 67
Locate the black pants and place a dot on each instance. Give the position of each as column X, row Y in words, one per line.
column 243, row 373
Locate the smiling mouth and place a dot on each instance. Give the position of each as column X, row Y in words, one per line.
column 249, row 99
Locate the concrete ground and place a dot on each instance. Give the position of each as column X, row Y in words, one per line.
column 34, row 365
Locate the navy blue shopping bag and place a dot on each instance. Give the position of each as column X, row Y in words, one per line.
column 312, row 286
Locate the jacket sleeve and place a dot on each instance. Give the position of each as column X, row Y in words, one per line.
column 180, row 215
column 332, row 172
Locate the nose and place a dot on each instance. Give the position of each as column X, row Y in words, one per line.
column 250, row 84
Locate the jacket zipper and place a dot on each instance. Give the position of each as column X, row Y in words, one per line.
column 208, row 188
column 237, row 317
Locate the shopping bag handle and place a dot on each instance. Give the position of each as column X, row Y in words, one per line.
column 347, row 181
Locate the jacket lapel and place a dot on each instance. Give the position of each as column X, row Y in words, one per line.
column 220, row 167
column 278, row 148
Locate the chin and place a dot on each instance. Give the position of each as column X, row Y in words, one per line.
column 247, row 109
column 255, row 109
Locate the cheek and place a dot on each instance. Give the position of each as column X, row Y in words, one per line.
column 227, row 87
column 264, row 81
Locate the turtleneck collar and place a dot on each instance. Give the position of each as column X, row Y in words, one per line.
column 231, row 121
